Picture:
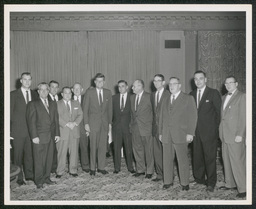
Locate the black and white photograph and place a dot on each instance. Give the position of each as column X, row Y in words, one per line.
column 128, row 104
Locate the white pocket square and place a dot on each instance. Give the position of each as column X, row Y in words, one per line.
column 75, row 108
column 207, row 101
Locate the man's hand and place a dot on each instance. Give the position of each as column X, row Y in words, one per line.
column 109, row 127
column 160, row 138
column 189, row 138
column 36, row 140
column 238, row 139
column 57, row 138
column 87, row 128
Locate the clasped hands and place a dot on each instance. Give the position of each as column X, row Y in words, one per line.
column 71, row 125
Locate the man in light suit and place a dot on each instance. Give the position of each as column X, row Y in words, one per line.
column 233, row 136
column 97, row 107
column 22, row 147
column 70, row 116
column 157, row 99
column 121, row 127
column 54, row 97
column 177, row 126
column 43, row 126
column 208, row 102
column 141, row 128
column 84, row 140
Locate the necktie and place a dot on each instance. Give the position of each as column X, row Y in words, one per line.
column 68, row 107
column 101, row 100
column 46, row 105
column 198, row 98
column 122, row 103
column 137, row 103
column 54, row 99
column 229, row 94
column 173, row 98
column 157, row 98
column 27, row 97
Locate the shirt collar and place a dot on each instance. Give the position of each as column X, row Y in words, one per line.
column 176, row 95
column 202, row 89
column 24, row 90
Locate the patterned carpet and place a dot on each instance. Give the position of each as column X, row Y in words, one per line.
column 121, row 186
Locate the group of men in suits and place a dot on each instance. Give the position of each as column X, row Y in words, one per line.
column 152, row 128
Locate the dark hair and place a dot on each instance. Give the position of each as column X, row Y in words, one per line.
column 122, row 81
column 160, row 76
column 175, row 78
column 52, row 81
column 141, row 82
column 25, row 73
column 231, row 76
column 65, row 87
column 99, row 75
column 200, row 71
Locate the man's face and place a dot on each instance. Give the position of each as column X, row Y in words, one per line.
column 122, row 87
column 77, row 89
column 43, row 91
column 200, row 80
column 136, row 87
column 99, row 82
column 54, row 88
column 174, row 86
column 230, row 84
column 26, row 81
column 158, row 82
column 66, row 94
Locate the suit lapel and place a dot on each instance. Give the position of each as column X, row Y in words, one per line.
column 20, row 94
column 177, row 102
column 230, row 101
column 206, row 91
column 141, row 101
column 43, row 107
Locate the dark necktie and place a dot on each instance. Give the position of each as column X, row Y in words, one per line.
column 101, row 100
column 137, row 103
column 173, row 98
column 198, row 98
column 122, row 103
column 229, row 94
column 54, row 99
column 27, row 97
column 157, row 98
column 46, row 105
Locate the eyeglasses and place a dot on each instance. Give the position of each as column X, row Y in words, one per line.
column 229, row 83
column 157, row 81
column 173, row 84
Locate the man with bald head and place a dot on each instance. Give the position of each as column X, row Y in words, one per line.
column 141, row 128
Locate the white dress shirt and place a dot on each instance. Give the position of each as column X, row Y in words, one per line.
column 160, row 95
column 54, row 97
column 175, row 96
column 125, row 98
column 77, row 98
column 25, row 94
column 228, row 97
column 98, row 92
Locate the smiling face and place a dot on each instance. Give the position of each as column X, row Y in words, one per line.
column 231, row 84
column 158, row 82
column 99, row 82
column 200, row 80
column 43, row 91
column 26, row 81
column 122, row 87
column 137, row 87
column 66, row 94
column 77, row 89
column 54, row 88
column 174, row 85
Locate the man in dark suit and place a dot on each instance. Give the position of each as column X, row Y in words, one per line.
column 43, row 126
column 177, row 124
column 232, row 132
column 157, row 99
column 141, row 128
column 208, row 102
column 121, row 127
column 70, row 116
column 97, row 108
column 84, row 140
column 54, row 97
column 19, row 131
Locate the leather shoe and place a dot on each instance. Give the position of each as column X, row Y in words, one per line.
column 156, row 179
column 21, row 182
column 148, row 176
column 241, row 195
column 167, row 186
column 50, row 182
column 102, row 171
column 116, row 171
column 226, row 188
column 132, row 171
column 29, row 179
column 86, row 170
column 92, row 173
column 196, row 182
column 138, row 174
column 58, row 176
column 74, row 174
column 39, row 186
column 210, row 189
column 186, row 188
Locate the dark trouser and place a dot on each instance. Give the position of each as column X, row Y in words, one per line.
column 121, row 139
column 98, row 147
column 43, row 155
column 204, row 160
column 158, row 156
column 55, row 160
column 23, row 157
column 143, row 152
column 84, row 151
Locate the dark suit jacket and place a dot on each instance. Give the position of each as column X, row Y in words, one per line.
column 40, row 123
column 156, row 111
column 208, row 113
column 179, row 120
column 233, row 121
column 121, row 120
column 18, row 113
column 143, row 117
column 94, row 114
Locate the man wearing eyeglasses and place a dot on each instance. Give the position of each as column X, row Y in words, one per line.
column 177, row 126
column 232, row 132
column 208, row 102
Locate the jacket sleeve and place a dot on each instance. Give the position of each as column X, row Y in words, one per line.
column 217, row 106
column 85, row 106
column 241, row 125
column 56, row 118
column 31, row 117
column 192, row 116
column 161, row 115
column 110, row 109
column 79, row 117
